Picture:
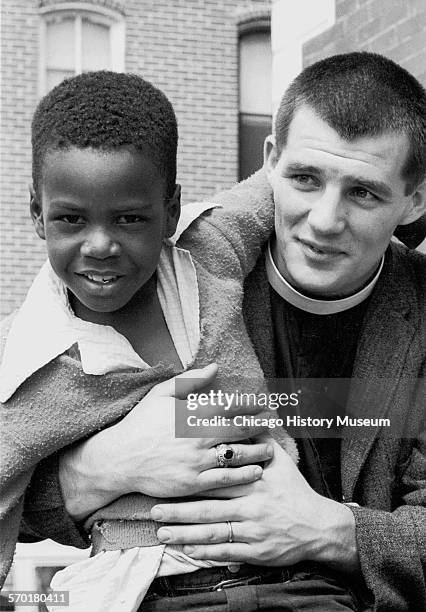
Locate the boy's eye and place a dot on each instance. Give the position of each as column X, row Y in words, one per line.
column 72, row 219
column 125, row 219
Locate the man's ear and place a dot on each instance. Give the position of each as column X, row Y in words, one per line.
column 417, row 206
column 37, row 214
column 173, row 212
column 270, row 154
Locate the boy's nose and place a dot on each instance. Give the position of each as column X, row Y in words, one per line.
column 100, row 244
column 327, row 215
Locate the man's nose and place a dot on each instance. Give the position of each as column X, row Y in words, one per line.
column 100, row 243
column 327, row 215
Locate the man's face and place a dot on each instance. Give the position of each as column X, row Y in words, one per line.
column 104, row 216
column 337, row 204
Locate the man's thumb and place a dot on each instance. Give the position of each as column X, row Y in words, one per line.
column 190, row 381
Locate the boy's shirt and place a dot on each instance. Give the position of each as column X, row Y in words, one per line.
column 46, row 316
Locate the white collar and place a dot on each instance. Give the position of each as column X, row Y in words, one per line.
column 312, row 305
column 45, row 325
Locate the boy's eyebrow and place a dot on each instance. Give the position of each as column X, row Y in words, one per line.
column 132, row 205
column 64, row 204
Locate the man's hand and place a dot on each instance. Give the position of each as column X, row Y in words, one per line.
column 277, row 520
column 141, row 453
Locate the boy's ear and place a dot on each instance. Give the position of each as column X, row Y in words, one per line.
column 37, row 214
column 173, row 212
column 418, row 205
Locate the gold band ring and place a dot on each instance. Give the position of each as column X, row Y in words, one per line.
column 230, row 532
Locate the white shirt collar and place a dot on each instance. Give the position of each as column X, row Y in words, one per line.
column 45, row 326
column 312, row 305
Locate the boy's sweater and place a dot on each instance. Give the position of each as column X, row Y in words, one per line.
column 59, row 404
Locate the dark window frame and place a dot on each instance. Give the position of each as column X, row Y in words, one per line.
column 252, row 127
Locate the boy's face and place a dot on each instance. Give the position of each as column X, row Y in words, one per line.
column 104, row 215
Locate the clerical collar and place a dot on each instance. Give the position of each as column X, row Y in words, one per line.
column 312, row 305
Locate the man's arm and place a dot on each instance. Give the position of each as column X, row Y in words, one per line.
column 238, row 229
column 138, row 454
column 392, row 545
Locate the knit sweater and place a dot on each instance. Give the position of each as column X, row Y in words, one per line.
column 59, row 404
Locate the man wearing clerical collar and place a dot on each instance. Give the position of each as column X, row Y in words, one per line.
column 334, row 298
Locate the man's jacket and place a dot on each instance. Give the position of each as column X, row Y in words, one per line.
column 385, row 475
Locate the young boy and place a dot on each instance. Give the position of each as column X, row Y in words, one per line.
column 118, row 298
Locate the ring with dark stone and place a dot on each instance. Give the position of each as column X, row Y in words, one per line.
column 224, row 455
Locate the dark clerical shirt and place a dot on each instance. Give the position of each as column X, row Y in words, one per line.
column 317, row 346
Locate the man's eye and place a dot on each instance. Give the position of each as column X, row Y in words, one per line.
column 72, row 219
column 304, row 180
column 126, row 219
column 363, row 194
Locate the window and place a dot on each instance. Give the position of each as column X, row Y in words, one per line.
column 77, row 37
column 255, row 118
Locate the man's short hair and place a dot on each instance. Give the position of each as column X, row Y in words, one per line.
column 104, row 110
column 361, row 94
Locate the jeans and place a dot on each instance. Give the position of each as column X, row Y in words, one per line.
column 306, row 586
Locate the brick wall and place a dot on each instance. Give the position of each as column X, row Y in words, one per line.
column 188, row 48
column 395, row 28
column 21, row 251
column 190, row 51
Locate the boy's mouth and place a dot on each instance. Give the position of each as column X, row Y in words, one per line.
column 101, row 279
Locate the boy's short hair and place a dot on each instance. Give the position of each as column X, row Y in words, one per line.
column 104, row 110
column 361, row 94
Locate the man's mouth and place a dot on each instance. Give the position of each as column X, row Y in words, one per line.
column 320, row 249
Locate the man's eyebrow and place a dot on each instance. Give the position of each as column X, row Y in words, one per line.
column 300, row 167
column 372, row 185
